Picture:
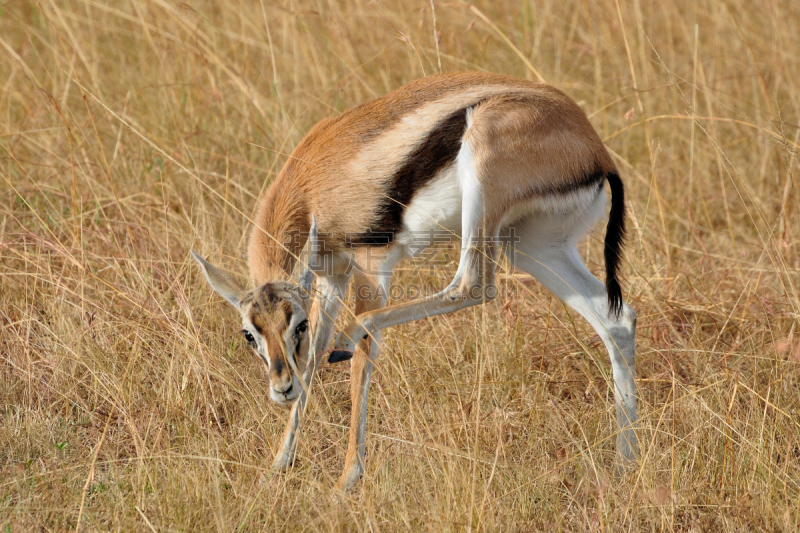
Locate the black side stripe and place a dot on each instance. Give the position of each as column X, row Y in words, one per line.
column 437, row 151
column 591, row 179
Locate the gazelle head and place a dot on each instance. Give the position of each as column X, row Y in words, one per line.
column 274, row 322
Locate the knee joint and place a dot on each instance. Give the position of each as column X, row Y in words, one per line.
column 474, row 293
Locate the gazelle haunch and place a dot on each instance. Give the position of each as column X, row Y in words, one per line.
column 470, row 153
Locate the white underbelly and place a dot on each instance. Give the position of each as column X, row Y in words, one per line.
column 434, row 213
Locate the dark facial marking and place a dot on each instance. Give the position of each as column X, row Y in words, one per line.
column 277, row 366
column 298, row 336
column 268, row 292
column 259, row 323
column 297, row 346
column 269, row 312
column 287, row 312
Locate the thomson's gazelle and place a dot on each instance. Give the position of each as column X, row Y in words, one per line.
column 471, row 153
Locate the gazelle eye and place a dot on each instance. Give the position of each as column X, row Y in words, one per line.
column 249, row 337
column 301, row 328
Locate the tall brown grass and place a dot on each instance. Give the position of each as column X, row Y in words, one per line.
column 132, row 131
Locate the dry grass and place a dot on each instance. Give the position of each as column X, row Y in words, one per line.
column 132, row 131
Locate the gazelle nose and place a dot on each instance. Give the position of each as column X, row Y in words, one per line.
column 286, row 389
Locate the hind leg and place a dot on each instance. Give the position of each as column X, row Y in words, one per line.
column 557, row 265
column 473, row 283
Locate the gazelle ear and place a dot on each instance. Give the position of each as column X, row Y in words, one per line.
column 303, row 269
column 220, row 281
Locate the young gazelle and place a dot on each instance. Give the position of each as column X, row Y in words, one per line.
column 471, row 153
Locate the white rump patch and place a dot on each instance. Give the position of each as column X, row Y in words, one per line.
column 561, row 219
column 576, row 202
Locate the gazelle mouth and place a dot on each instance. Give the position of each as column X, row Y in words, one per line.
column 283, row 398
column 287, row 396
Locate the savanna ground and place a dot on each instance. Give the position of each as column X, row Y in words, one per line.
column 133, row 131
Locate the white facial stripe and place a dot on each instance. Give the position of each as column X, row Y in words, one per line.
column 263, row 346
column 261, row 342
column 289, row 340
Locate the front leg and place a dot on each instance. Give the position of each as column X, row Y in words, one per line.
column 473, row 284
column 360, row 373
column 331, row 293
column 285, row 456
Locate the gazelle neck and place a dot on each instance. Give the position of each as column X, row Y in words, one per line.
column 282, row 222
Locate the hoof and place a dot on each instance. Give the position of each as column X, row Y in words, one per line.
column 337, row 356
column 281, row 465
column 347, row 482
column 626, row 463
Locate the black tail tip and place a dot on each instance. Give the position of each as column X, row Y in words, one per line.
column 615, row 239
column 614, row 298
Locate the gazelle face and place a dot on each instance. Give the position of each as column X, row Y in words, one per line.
column 275, row 325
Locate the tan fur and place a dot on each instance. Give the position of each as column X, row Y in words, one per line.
column 524, row 148
column 360, row 372
column 528, row 145
column 269, row 308
column 340, row 171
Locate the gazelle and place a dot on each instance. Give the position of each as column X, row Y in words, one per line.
column 471, row 153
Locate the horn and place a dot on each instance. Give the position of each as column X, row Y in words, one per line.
column 304, row 267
